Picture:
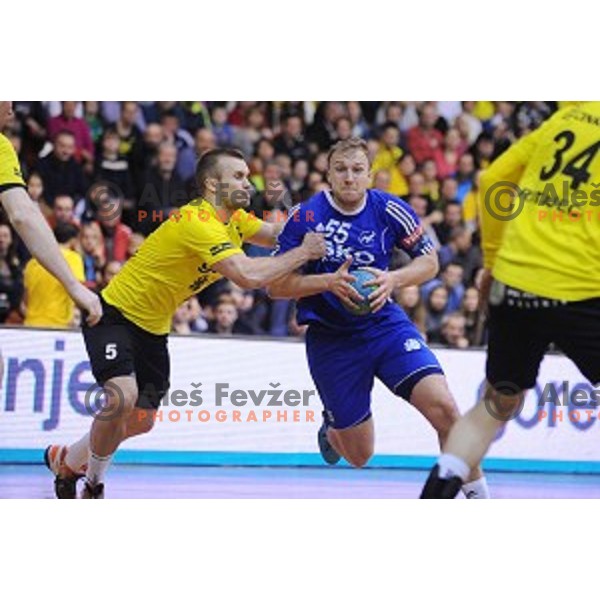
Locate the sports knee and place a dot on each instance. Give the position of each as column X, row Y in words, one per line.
column 444, row 414
column 120, row 398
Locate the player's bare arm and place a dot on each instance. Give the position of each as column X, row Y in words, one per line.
column 267, row 235
column 28, row 221
column 296, row 285
column 253, row 273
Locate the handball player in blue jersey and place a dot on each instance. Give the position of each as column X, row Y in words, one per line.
column 346, row 351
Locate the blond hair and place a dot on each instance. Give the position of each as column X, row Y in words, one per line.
column 349, row 145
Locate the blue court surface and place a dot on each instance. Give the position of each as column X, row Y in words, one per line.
column 139, row 482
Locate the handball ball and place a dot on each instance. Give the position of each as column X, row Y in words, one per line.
column 363, row 277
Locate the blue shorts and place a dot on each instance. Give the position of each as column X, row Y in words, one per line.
column 344, row 367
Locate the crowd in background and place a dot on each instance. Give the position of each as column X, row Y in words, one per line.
column 83, row 159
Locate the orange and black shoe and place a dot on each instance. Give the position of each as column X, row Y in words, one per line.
column 65, row 480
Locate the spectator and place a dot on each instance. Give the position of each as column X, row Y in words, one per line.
column 431, row 187
column 46, row 302
column 253, row 129
column 63, row 211
column 204, row 140
column 245, row 303
column 474, row 317
column 461, row 251
column 321, row 134
column 468, row 124
column 464, row 176
column 451, row 278
column 130, row 136
column 446, row 158
column 224, row 132
column 94, row 120
column 35, row 189
column 111, row 268
column 409, row 298
column 388, row 157
column 105, row 206
column 452, row 217
column 291, row 140
column 226, row 319
column 424, row 139
column 60, row 172
column 92, row 251
column 183, row 141
column 343, row 128
column 416, row 187
column 470, row 205
column 453, row 331
column 436, row 304
column 163, row 189
column 382, row 180
column 265, row 150
column 484, row 151
column 113, row 168
column 84, row 145
column 297, row 182
column 182, row 319
column 153, row 137
column 11, row 278
column 360, row 127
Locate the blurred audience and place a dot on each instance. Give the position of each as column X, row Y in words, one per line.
column 120, row 167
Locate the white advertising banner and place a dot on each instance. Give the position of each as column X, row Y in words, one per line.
column 249, row 401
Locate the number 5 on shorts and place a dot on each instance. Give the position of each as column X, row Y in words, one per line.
column 110, row 351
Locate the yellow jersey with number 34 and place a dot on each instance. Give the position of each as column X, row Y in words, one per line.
column 175, row 263
column 547, row 241
column 10, row 170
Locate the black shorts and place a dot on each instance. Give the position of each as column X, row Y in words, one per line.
column 522, row 327
column 117, row 347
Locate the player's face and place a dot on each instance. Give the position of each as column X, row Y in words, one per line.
column 349, row 176
column 5, row 112
column 234, row 187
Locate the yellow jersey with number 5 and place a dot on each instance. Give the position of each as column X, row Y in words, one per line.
column 175, row 262
column 10, row 170
column 540, row 208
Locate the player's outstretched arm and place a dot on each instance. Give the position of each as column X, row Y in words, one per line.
column 27, row 219
column 266, row 236
column 296, row 285
column 253, row 273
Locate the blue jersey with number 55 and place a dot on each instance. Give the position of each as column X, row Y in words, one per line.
column 369, row 235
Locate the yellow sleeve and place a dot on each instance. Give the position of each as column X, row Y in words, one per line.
column 249, row 224
column 10, row 170
column 207, row 239
column 496, row 190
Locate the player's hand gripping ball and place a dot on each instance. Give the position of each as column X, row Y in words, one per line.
column 363, row 277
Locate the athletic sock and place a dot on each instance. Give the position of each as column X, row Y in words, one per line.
column 97, row 466
column 453, row 466
column 77, row 454
column 476, row 490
